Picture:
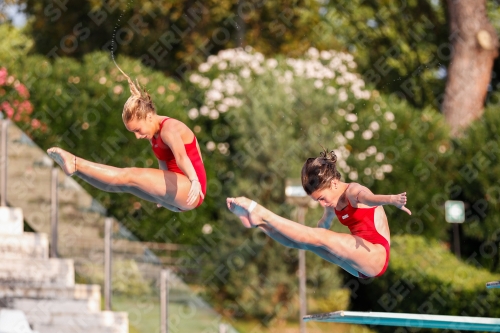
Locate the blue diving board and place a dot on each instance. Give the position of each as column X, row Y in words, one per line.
column 494, row 284
column 409, row 320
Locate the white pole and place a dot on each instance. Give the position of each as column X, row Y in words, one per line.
column 164, row 301
column 108, row 230
column 302, row 275
column 3, row 162
column 53, row 213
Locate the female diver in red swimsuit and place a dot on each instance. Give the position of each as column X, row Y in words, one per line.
column 180, row 182
column 364, row 253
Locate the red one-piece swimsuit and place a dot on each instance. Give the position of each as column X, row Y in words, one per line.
column 361, row 223
column 164, row 153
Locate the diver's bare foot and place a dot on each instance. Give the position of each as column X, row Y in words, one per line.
column 66, row 161
column 239, row 207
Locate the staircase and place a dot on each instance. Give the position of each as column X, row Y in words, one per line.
column 80, row 216
column 80, row 237
column 44, row 288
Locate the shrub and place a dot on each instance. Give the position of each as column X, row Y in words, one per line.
column 425, row 278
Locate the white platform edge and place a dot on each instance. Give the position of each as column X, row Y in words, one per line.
column 409, row 320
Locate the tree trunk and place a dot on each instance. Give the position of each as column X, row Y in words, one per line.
column 475, row 45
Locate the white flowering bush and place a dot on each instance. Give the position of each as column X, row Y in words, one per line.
column 318, row 99
column 280, row 111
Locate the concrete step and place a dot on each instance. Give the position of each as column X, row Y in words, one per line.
column 24, row 246
column 73, row 329
column 11, row 221
column 100, row 322
column 14, row 321
column 40, row 310
column 78, row 291
column 37, row 272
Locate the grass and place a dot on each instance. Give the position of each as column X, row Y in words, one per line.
column 293, row 327
column 144, row 317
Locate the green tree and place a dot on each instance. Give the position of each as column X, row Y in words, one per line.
column 475, row 175
column 172, row 36
column 401, row 46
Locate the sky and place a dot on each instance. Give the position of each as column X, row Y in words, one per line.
column 17, row 17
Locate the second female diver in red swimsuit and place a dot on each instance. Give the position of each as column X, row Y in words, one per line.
column 365, row 252
column 180, row 182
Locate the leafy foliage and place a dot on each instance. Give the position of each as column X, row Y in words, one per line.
column 170, row 35
column 476, row 183
column 424, row 277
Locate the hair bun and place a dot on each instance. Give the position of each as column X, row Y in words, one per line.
column 328, row 155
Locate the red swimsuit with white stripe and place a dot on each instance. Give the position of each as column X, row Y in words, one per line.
column 361, row 223
column 164, row 153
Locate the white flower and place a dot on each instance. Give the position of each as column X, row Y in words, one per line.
column 313, row 53
column 214, row 114
column 207, row 229
column 245, row 73
column 217, row 84
column 204, row 83
column 118, row 89
column 330, row 90
column 372, row 150
column 204, row 67
column 341, row 112
column 227, row 54
column 222, row 148
column 340, row 139
column 387, row 168
column 355, row 127
column 351, row 117
column 353, row 175
column 389, row 116
column 193, row 113
column 212, row 59
column 222, row 108
column 210, row 145
column 367, row 135
column 325, row 55
column 204, row 110
column 342, row 95
column 379, row 157
column 379, row 174
column 195, row 78
column 259, row 57
column 214, row 95
column 374, row 126
column 368, row 171
column 349, row 135
column 222, row 65
column 318, row 84
column 361, row 156
column 272, row 63
column 254, row 64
